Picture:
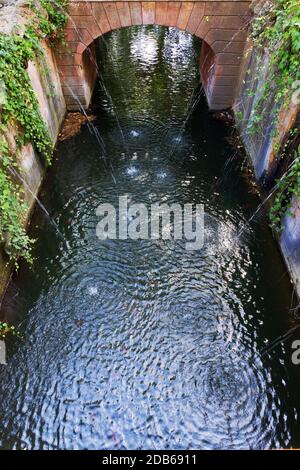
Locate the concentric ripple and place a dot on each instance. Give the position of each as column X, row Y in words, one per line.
column 144, row 344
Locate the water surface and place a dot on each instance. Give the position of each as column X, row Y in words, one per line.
column 142, row 344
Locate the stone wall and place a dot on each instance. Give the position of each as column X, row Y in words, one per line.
column 261, row 148
column 46, row 84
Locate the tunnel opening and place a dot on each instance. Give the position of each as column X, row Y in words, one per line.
column 91, row 70
column 152, row 77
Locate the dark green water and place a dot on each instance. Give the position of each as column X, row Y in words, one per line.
column 142, row 344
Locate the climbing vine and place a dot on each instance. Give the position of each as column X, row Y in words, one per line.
column 19, row 108
column 287, row 188
column 20, row 105
column 276, row 33
column 53, row 24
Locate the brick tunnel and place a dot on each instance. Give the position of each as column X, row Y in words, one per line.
column 221, row 25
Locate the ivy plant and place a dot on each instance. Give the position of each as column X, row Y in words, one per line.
column 276, row 35
column 20, row 108
column 287, row 188
column 15, row 240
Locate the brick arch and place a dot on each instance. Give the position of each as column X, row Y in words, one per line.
column 221, row 25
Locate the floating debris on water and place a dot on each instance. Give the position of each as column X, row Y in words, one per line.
column 72, row 125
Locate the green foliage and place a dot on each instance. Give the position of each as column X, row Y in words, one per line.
column 6, row 329
column 276, row 31
column 19, row 107
column 52, row 25
column 287, row 187
column 12, row 210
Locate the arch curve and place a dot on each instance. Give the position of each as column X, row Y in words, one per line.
column 221, row 25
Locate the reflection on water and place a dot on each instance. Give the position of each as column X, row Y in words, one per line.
column 142, row 344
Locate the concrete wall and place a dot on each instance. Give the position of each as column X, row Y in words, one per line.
column 46, row 84
column 261, row 147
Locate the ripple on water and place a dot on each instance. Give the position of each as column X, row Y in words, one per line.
column 142, row 344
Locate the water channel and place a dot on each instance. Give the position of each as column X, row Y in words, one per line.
column 134, row 344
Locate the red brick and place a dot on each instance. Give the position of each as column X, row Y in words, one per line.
column 226, row 91
column 79, row 8
column 161, row 13
column 65, row 59
column 203, row 28
column 71, row 81
column 136, row 12
column 112, row 15
column 216, row 34
column 69, row 70
column 207, row 63
column 77, row 90
column 70, row 23
column 69, row 47
column 89, row 23
column 85, row 37
column 227, row 58
column 184, row 14
column 71, row 100
column 223, row 22
column 228, row 46
column 124, row 13
column 227, row 8
column 173, row 13
column 195, row 18
column 225, row 70
column 148, row 12
column 100, row 16
column 71, row 35
column 220, row 80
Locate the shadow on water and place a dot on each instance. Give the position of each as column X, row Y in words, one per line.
column 142, row 344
